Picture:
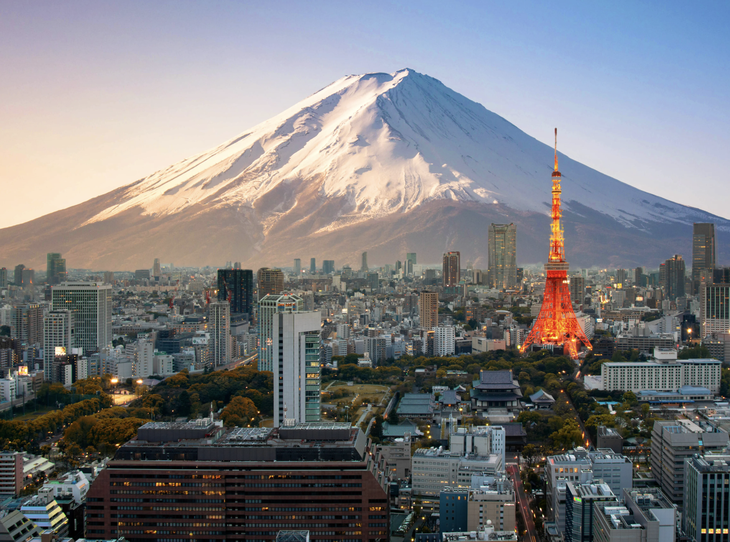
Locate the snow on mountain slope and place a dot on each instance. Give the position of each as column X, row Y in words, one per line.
column 386, row 144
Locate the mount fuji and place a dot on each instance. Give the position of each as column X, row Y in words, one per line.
column 384, row 163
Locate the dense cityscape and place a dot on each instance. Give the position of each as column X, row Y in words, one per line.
column 400, row 401
column 328, row 272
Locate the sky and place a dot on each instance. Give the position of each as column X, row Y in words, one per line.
column 95, row 95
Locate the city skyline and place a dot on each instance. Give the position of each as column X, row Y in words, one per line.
column 130, row 99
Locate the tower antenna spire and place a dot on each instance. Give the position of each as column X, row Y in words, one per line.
column 556, row 149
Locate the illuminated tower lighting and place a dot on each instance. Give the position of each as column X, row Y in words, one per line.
column 556, row 324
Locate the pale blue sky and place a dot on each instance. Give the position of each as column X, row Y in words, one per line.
column 94, row 95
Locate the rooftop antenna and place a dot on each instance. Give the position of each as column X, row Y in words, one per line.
column 556, row 149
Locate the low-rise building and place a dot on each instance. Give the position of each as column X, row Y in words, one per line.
column 646, row 516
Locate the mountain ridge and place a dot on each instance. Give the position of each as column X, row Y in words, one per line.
column 388, row 148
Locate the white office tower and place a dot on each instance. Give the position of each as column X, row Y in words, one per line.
column 90, row 303
column 269, row 306
column 296, row 366
column 219, row 326
column 144, row 359
column 57, row 336
column 444, row 342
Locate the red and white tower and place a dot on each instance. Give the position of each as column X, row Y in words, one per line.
column 556, row 324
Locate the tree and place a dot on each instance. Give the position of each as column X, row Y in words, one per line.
column 529, row 452
column 239, row 412
column 568, row 436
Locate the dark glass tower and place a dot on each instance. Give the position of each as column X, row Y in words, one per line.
column 236, row 284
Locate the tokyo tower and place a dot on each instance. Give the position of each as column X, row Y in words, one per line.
column 556, row 324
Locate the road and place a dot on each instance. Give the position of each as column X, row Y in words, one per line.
column 239, row 362
column 531, row 536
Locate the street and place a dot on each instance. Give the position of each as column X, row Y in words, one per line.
column 531, row 536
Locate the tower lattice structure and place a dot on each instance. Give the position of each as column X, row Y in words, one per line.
column 556, row 324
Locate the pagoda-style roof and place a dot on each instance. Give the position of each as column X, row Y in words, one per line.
column 541, row 396
column 496, row 380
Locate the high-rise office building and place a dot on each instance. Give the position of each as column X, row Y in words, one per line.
column 714, row 308
column 502, row 265
column 579, row 509
column 703, row 254
column 290, row 340
column 672, row 444
column 297, row 267
column 156, row 268
column 219, row 327
column 26, row 323
column 236, row 287
column 451, row 270
column 672, row 277
column 577, row 289
column 364, row 264
column 91, row 306
column 412, row 257
column 27, row 279
column 269, row 306
column 270, row 282
column 313, row 266
column 645, row 516
column 296, row 367
column 57, row 340
column 18, row 275
column 639, row 277
column 3, row 277
column 428, row 310
column 242, row 483
column 328, row 267
column 706, row 516
column 55, row 268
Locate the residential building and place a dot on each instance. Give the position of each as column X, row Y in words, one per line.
column 11, row 473
column 236, row 287
column 219, row 326
column 502, row 264
column 26, row 324
column 241, row 484
column 270, row 282
column 703, row 254
column 444, row 338
column 91, row 306
column 671, row 376
column 428, row 310
column 706, row 514
column 298, row 267
column 451, row 270
column 313, row 266
column 57, row 339
column 672, row 443
column 672, row 277
column 15, row 527
column 578, row 289
column 45, row 512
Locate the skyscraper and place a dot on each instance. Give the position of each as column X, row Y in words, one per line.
column 55, row 268
column 706, row 516
column 577, row 289
column 412, row 257
column 364, row 265
column 714, row 308
column 502, row 265
column 269, row 306
column 236, row 287
column 703, row 254
column 219, row 326
column 26, row 323
column 451, row 271
column 290, row 341
column 313, row 266
column 428, row 310
column 18, row 275
column 672, row 277
column 270, row 281
column 91, row 306
column 156, row 269
column 57, row 340
column 3, row 277
column 297, row 266
column 328, row 267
